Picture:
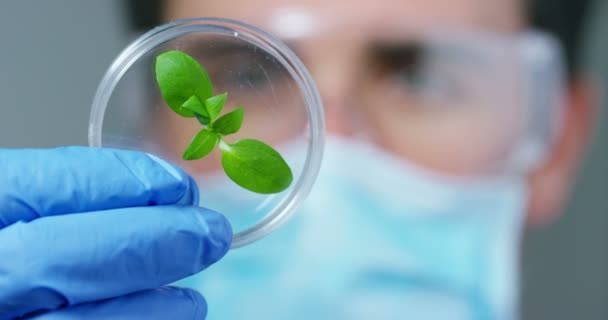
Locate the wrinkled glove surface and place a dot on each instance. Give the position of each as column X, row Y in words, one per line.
column 97, row 234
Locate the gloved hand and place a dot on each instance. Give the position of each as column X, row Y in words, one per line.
column 97, row 233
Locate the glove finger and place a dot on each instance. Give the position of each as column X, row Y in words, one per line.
column 165, row 303
column 70, row 259
column 45, row 182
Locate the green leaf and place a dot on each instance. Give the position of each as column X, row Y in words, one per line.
column 195, row 105
column 255, row 166
column 202, row 119
column 215, row 105
column 230, row 122
column 202, row 144
column 180, row 77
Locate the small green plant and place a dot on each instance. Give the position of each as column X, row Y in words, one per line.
column 186, row 88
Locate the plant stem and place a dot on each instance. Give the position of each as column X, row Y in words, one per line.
column 224, row 146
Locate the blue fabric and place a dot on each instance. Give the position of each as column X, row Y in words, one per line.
column 379, row 238
column 97, row 233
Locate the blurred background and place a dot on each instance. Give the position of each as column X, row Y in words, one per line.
column 55, row 53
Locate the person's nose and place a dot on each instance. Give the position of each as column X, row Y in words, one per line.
column 336, row 104
column 334, row 79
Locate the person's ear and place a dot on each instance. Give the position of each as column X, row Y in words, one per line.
column 550, row 184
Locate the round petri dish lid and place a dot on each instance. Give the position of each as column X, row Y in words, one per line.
column 282, row 108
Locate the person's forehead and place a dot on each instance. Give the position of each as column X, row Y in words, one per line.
column 494, row 15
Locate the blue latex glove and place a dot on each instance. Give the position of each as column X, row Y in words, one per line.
column 97, row 233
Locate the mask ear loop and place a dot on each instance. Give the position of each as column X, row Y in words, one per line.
column 545, row 88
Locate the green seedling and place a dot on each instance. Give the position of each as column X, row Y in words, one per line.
column 186, row 88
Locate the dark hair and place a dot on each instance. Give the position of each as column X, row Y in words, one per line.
column 144, row 14
column 564, row 19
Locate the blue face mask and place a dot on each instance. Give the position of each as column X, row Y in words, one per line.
column 380, row 239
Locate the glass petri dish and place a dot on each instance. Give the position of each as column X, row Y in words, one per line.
column 261, row 74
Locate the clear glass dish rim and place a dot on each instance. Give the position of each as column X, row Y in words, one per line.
column 273, row 46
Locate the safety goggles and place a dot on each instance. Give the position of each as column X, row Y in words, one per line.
column 459, row 102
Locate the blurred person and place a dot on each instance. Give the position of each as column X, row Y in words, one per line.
column 432, row 167
column 438, row 152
